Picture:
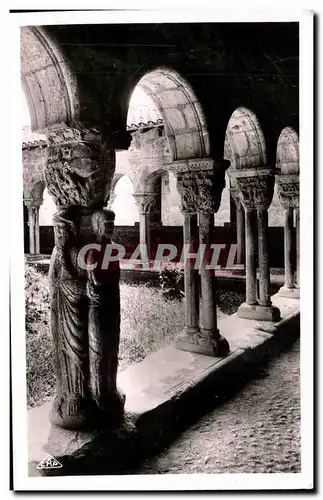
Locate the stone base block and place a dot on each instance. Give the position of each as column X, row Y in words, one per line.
column 290, row 293
column 262, row 313
column 200, row 344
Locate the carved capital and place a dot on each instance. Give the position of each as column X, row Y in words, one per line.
column 80, row 166
column 255, row 187
column 200, row 185
column 288, row 190
column 144, row 202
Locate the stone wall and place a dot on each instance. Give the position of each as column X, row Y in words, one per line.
column 33, row 160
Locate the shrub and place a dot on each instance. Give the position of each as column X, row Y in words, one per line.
column 39, row 348
column 171, row 280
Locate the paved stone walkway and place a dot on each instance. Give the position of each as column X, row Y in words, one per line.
column 258, row 430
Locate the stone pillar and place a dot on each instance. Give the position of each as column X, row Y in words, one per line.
column 298, row 249
column 256, row 188
column 33, row 206
column 263, row 258
column 288, row 193
column 144, row 202
column 191, row 280
column 85, row 302
column 251, row 257
column 200, row 190
column 240, row 223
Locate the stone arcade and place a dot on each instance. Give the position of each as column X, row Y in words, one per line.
column 216, row 131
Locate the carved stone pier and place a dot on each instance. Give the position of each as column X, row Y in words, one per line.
column 85, row 304
column 200, row 183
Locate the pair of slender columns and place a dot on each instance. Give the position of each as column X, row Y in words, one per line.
column 292, row 283
column 201, row 331
column 256, row 232
column 257, row 221
column 33, row 223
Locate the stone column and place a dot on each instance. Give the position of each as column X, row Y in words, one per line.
column 33, row 206
column 288, row 193
column 263, row 258
column 298, row 249
column 251, row 257
column 240, row 222
column 144, row 202
column 85, row 303
column 200, row 191
column 256, row 187
column 191, row 281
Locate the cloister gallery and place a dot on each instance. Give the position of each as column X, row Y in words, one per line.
column 190, row 139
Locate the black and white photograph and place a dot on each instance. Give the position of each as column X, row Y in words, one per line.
column 161, row 194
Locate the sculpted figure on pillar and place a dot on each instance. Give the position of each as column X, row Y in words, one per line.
column 85, row 305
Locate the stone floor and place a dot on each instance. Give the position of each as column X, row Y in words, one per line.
column 257, row 431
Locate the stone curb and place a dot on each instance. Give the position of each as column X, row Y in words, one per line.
column 147, row 431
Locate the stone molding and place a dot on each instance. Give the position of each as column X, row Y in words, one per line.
column 288, row 190
column 144, row 202
column 80, row 166
column 255, row 187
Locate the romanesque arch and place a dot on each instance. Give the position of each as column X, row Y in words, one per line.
column 182, row 114
column 287, row 156
column 49, row 84
column 245, row 145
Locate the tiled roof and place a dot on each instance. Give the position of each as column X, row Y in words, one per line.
column 142, row 116
column 142, row 111
column 32, row 140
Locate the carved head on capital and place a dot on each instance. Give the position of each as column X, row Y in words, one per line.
column 79, row 168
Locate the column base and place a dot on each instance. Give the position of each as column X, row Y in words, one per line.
column 204, row 342
column 262, row 313
column 290, row 293
column 77, row 413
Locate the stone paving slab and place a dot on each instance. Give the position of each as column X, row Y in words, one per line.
column 164, row 384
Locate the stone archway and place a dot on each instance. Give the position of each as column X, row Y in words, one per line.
column 182, row 114
column 49, row 85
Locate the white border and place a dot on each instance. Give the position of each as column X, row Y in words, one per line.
column 14, row 201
